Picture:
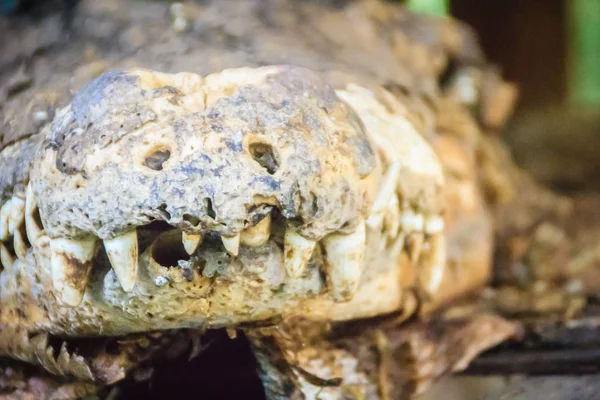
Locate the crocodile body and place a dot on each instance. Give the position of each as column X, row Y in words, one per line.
column 279, row 167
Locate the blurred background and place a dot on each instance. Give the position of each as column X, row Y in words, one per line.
column 551, row 50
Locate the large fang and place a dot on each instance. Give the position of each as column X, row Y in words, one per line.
column 31, row 226
column 385, row 194
column 257, row 235
column 122, row 252
column 6, row 258
column 344, row 262
column 433, row 264
column 232, row 244
column 191, row 242
column 392, row 217
column 4, row 217
column 415, row 246
column 71, row 263
column 397, row 246
column 17, row 213
column 19, row 244
column 297, row 252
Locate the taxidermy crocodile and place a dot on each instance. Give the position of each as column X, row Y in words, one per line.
column 320, row 175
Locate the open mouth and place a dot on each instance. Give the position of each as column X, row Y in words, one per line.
column 183, row 256
column 159, row 274
column 269, row 253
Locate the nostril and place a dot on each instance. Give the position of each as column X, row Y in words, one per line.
column 156, row 159
column 265, row 156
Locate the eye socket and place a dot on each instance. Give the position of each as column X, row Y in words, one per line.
column 157, row 158
column 265, row 156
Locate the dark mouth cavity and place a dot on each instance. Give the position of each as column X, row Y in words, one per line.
column 168, row 249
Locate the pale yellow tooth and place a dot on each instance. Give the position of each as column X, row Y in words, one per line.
column 297, row 252
column 387, row 190
column 71, row 263
column 191, row 242
column 415, row 246
column 434, row 224
column 17, row 214
column 257, row 235
column 232, row 244
column 411, row 221
column 6, row 257
column 398, row 245
column 343, row 255
column 30, row 204
column 392, row 217
column 31, row 226
column 433, row 264
column 4, row 217
column 20, row 245
column 122, row 251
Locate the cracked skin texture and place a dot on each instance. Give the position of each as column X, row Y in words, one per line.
column 412, row 52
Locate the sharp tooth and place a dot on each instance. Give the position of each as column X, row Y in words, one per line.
column 17, row 214
column 19, row 245
column 191, row 242
column 431, row 271
column 31, row 226
column 257, row 235
column 392, row 217
column 71, row 262
column 344, row 262
column 6, row 258
column 415, row 244
column 411, row 222
column 122, row 252
column 4, row 217
column 232, row 244
column 297, row 252
column 382, row 201
column 30, row 204
column 434, row 224
column 398, row 245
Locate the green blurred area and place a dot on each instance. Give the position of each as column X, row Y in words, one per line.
column 431, row 7
column 584, row 52
column 582, row 21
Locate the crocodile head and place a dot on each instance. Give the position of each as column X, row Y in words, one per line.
column 161, row 201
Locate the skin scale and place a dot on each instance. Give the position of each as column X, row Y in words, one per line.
column 282, row 182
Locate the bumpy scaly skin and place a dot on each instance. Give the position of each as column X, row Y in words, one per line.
column 156, row 201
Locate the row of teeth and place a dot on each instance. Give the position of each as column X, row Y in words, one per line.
column 13, row 214
column 343, row 253
column 71, row 259
column 422, row 236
